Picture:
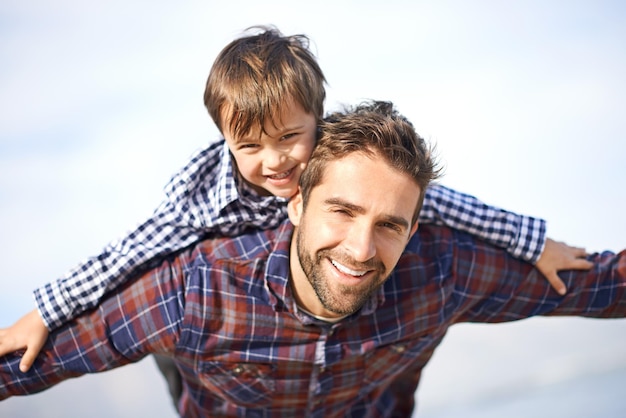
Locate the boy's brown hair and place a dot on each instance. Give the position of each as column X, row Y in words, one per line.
column 254, row 76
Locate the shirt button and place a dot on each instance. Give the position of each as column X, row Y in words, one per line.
column 398, row 348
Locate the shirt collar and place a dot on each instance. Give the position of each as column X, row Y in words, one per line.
column 226, row 185
column 232, row 187
column 277, row 269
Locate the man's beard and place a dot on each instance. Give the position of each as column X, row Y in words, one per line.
column 348, row 299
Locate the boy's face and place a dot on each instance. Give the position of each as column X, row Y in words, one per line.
column 272, row 159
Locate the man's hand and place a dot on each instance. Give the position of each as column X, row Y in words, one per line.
column 560, row 256
column 29, row 333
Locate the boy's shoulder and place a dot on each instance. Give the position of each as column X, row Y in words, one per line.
column 211, row 159
column 213, row 152
column 207, row 175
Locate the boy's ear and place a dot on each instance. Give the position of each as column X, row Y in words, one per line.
column 294, row 208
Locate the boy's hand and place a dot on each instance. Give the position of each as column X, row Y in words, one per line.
column 560, row 256
column 30, row 333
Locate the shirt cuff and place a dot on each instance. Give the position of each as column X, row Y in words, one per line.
column 52, row 306
column 531, row 239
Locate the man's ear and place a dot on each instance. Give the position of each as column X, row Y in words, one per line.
column 295, row 208
column 413, row 230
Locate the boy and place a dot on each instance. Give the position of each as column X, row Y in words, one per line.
column 265, row 92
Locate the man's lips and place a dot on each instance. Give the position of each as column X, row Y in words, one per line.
column 347, row 270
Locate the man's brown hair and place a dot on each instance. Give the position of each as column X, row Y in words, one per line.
column 372, row 128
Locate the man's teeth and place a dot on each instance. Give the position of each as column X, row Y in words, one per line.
column 346, row 270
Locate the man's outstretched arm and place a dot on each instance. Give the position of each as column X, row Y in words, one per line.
column 140, row 318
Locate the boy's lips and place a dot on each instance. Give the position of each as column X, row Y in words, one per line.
column 282, row 175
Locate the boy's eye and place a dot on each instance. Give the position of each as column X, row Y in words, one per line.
column 248, row 146
column 288, row 136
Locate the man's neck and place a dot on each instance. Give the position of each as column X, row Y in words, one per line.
column 332, row 320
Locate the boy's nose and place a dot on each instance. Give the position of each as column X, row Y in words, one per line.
column 273, row 158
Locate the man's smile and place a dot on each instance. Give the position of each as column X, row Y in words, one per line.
column 347, row 270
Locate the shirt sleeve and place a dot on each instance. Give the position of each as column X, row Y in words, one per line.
column 522, row 236
column 83, row 287
column 141, row 318
column 493, row 287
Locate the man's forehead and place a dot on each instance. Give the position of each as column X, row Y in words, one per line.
column 361, row 168
column 367, row 186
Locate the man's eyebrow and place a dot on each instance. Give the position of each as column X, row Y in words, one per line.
column 336, row 201
column 396, row 220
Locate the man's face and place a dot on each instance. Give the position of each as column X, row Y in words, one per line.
column 271, row 160
column 350, row 236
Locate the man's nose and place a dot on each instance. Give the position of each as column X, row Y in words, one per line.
column 361, row 242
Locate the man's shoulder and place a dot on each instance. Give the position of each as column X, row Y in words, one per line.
column 431, row 238
column 250, row 246
column 437, row 242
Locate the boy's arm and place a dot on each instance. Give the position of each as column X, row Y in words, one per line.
column 186, row 215
column 84, row 286
column 523, row 237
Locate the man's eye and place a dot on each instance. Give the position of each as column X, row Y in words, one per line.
column 391, row 226
column 342, row 212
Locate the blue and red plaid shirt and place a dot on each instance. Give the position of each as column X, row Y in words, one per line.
column 207, row 197
column 224, row 310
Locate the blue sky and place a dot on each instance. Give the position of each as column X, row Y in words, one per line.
column 101, row 102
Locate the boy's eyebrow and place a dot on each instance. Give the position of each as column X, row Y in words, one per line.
column 250, row 138
column 396, row 220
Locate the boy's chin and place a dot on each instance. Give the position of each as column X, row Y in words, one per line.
column 285, row 193
column 286, row 190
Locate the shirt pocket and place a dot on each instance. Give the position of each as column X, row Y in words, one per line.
column 245, row 384
column 389, row 361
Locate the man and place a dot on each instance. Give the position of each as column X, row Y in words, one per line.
column 338, row 321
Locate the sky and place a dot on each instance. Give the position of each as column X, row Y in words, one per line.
column 101, row 102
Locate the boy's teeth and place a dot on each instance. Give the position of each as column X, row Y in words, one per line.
column 281, row 175
column 346, row 270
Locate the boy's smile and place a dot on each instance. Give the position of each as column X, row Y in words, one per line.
column 272, row 159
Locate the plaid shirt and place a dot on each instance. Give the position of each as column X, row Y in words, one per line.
column 207, row 196
column 225, row 311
